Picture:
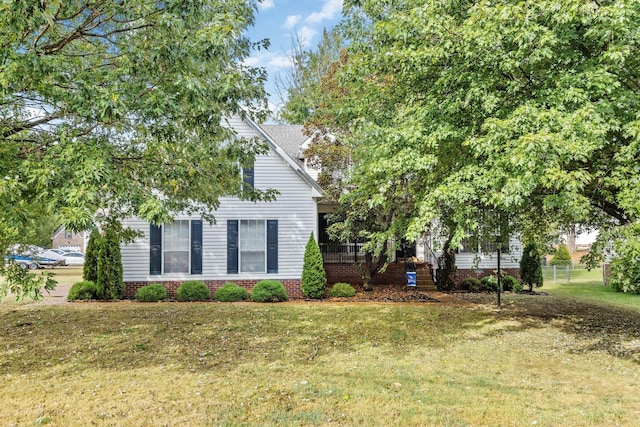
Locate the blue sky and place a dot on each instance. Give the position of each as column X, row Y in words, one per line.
column 279, row 21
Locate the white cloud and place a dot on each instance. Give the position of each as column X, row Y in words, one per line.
column 305, row 35
column 252, row 61
column 266, row 4
column 330, row 9
column 291, row 21
column 280, row 61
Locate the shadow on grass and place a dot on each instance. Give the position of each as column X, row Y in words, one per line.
column 216, row 335
column 601, row 327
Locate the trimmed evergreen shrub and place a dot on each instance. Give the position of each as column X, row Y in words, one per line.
column 269, row 291
column 562, row 257
column 489, row 283
column 90, row 268
column 110, row 284
column 151, row 293
column 471, row 284
column 230, row 292
column 342, row 290
column 193, row 290
column 83, row 290
column 510, row 283
column 314, row 278
column 531, row 266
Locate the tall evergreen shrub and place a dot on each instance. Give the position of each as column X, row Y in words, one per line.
column 110, row 283
column 531, row 266
column 314, row 278
column 90, row 268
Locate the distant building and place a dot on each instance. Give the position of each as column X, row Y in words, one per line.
column 69, row 240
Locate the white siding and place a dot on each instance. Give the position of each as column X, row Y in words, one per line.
column 467, row 260
column 294, row 208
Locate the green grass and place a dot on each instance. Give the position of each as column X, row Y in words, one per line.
column 588, row 285
column 293, row 364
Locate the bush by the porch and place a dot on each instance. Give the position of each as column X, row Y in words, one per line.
column 342, row 290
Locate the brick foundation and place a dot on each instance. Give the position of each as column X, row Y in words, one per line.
column 394, row 275
column 292, row 286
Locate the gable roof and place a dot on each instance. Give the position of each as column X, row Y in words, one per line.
column 290, row 136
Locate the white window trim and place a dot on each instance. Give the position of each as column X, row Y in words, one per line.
column 164, row 247
column 240, row 271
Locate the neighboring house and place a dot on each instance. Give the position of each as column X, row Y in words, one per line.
column 249, row 242
column 69, row 240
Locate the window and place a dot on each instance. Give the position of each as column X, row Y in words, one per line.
column 486, row 246
column 248, row 176
column 253, row 241
column 176, row 247
column 252, row 246
column 68, row 234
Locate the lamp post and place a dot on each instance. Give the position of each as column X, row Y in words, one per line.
column 499, row 245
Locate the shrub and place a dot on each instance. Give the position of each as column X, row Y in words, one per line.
column 231, row 292
column 193, row 290
column 151, row 293
column 517, row 287
column 110, row 284
column 531, row 266
column 314, row 278
column 489, row 283
column 625, row 266
column 562, row 257
column 509, row 283
column 90, row 268
column 269, row 291
column 342, row 290
column 471, row 284
column 85, row 289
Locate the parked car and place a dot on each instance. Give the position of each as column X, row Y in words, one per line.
column 74, row 258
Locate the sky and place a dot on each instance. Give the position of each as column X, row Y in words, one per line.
column 280, row 21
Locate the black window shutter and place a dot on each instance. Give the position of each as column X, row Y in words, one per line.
column 155, row 249
column 248, row 174
column 272, row 246
column 232, row 246
column 196, row 246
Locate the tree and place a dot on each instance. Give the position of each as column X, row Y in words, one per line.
column 531, row 266
column 90, row 268
column 301, row 88
column 314, row 278
column 527, row 108
column 109, row 282
column 116, row 109
column 561, row 257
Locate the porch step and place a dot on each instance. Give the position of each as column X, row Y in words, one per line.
column 424, row 281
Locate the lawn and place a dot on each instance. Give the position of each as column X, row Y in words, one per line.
column 589, row 285
column 540, row 360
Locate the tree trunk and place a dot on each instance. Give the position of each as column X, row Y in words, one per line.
column 369, row 271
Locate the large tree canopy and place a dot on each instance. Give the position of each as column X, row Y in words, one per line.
column 116, row 107
column 524, row 108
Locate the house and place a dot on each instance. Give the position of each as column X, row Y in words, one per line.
column 69, row 240
column 249, row 241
